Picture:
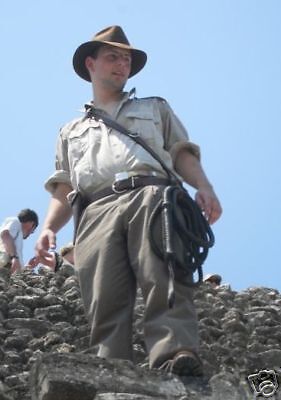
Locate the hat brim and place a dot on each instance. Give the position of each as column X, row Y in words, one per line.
column 86, row 49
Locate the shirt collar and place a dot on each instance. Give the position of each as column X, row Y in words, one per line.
column 126, row 96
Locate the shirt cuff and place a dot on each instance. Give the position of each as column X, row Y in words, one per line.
column 58, row 176
column 192, row 148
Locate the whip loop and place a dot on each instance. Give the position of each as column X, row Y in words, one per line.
column 186, row 236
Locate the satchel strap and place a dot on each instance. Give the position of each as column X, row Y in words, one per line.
column 99, row 114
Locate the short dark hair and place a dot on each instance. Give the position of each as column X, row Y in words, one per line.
column 215, row 279
column 94, row 54
column 27, row 215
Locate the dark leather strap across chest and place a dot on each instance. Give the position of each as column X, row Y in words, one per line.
column 101, row 115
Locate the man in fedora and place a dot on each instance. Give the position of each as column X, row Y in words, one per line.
column 124, row 183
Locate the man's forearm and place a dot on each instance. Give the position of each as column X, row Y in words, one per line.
column 59, row 211
column 190, row 169
column 58, row 215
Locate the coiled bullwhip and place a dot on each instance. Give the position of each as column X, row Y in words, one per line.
column 186, row 236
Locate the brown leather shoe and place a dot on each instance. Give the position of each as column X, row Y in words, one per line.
column 184, row 363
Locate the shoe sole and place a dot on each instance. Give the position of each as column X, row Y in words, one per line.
column 187, row 366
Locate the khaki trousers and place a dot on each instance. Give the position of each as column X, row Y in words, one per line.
column 114, row 254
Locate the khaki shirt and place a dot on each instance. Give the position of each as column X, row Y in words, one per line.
column 89, row 154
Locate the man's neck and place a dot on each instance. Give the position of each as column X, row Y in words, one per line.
column 104, row 98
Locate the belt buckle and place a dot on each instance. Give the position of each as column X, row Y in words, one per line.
column 120, row 176
column 113, row 186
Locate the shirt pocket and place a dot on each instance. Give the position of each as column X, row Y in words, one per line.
column 145, row 124
column 78, row 145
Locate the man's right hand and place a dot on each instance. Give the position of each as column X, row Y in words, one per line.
column 58, row 215
column 46, row 241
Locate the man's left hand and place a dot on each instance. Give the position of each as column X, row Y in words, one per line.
column 209, row 203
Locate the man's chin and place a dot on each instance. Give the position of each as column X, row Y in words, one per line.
column 116, row 85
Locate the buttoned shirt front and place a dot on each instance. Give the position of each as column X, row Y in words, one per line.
column 89, row 154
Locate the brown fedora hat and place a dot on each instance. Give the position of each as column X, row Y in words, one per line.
column 114, row 36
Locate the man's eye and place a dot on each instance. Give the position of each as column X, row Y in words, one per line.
column 112, row 57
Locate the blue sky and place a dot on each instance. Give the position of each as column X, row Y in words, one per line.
column 218, row 63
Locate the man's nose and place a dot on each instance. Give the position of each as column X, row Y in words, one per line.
column 123, row 60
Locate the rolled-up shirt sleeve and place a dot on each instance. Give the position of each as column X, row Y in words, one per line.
column 62, row 172
column 188, row 146
column 175, row 134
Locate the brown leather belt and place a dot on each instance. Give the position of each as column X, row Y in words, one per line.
column 122, row 186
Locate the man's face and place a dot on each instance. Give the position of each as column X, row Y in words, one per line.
column 28, row 228
column 112, row 67
column 214, row 282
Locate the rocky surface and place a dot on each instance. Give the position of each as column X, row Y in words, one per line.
column 44, row 351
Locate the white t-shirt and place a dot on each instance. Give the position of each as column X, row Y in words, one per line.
column 13, row 225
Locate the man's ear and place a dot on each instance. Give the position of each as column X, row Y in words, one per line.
column 89, row 63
